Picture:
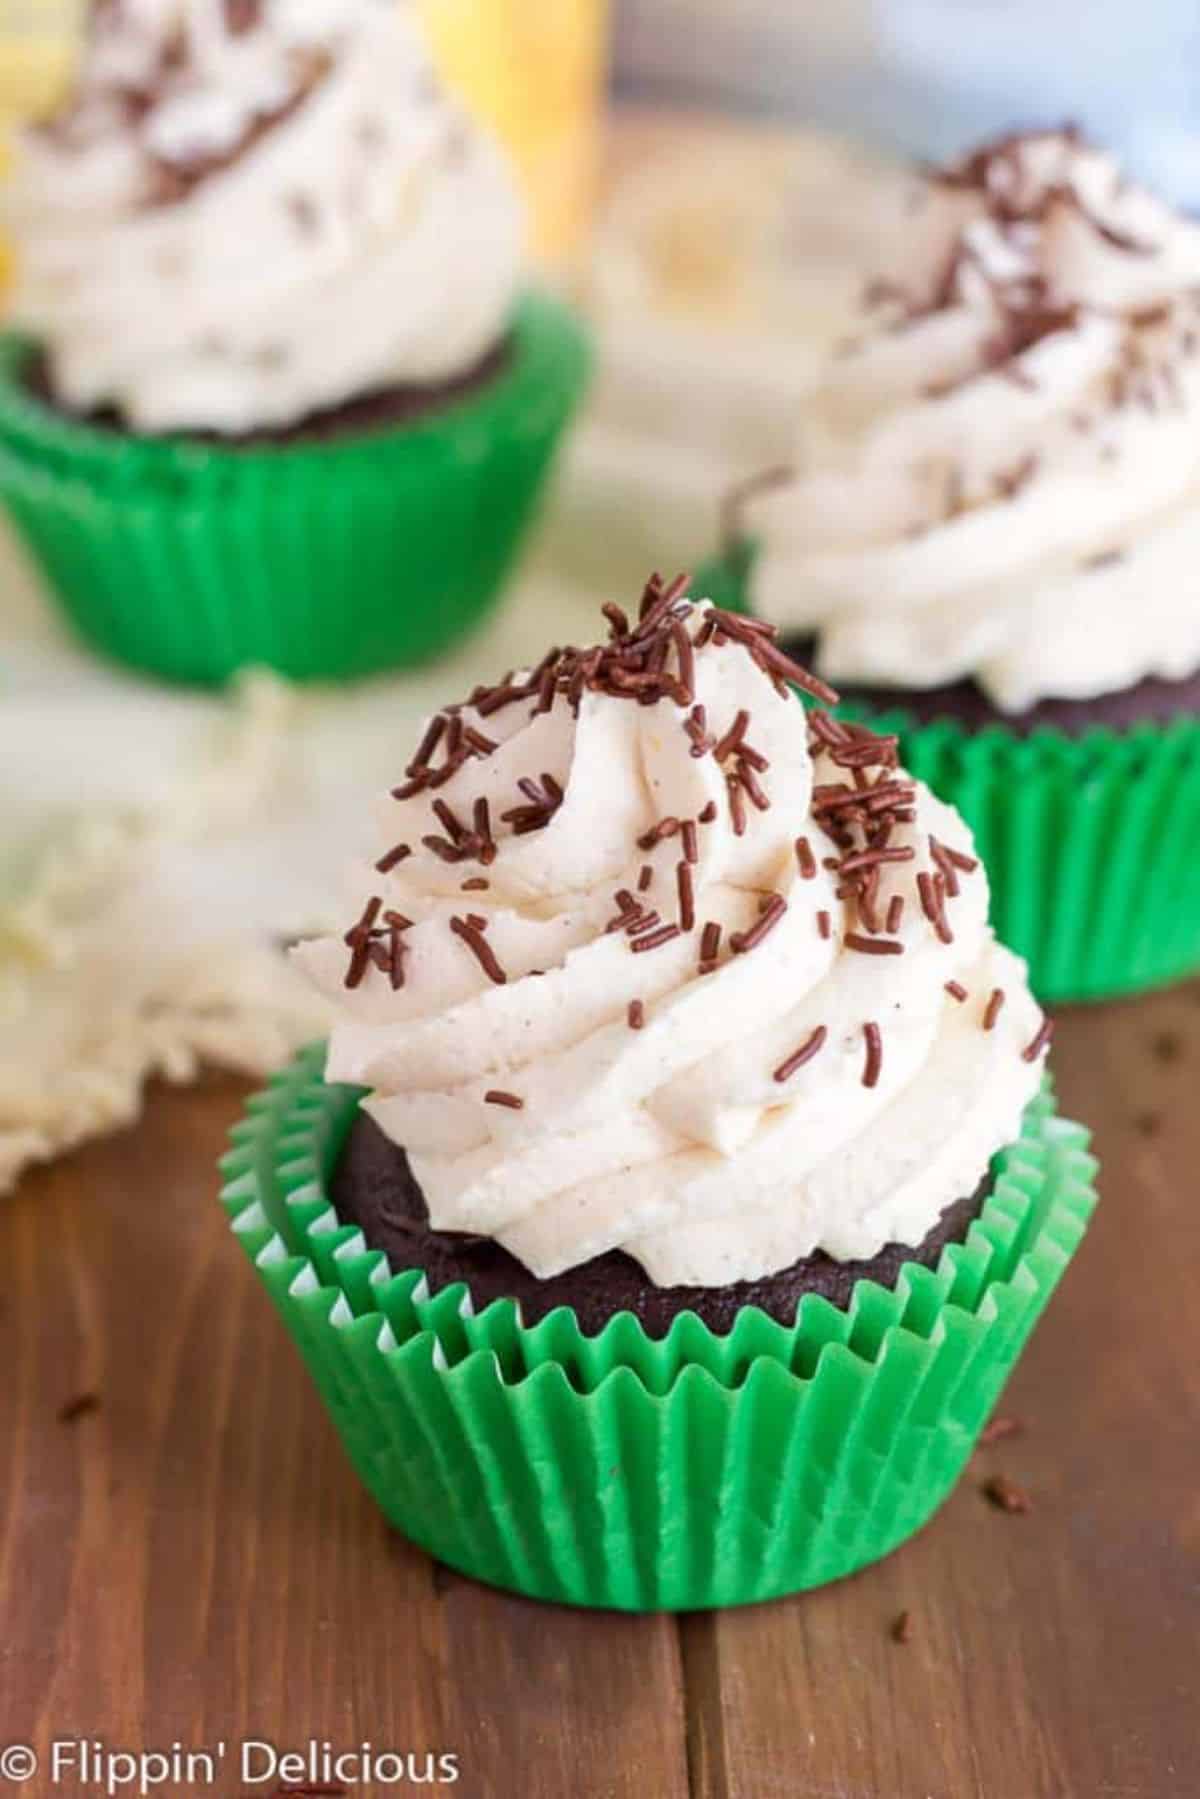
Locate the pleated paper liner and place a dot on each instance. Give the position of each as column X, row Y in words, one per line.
column 325, row 560
column 1090, row 842
column 620, row 1470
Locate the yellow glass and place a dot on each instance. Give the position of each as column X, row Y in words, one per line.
column 535, row 71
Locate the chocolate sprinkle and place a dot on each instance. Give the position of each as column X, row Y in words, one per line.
column 1006, row 1495
column 480, row 948
column 666, row 827
column 710, row 946
column 874, row 1059
column 992, row 1010
column 79, row 1407
column 359, row 939
column 664, row 935
column 807, row 1050
column 636, row 1015
column 1033, row 1050
column 956, row 990
column 392, row 857
column 687, row 903
column 931, row 890
column 496, row 1096
column 998, row 1430
column 741, row 942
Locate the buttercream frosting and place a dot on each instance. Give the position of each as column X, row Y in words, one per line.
column 651, row 960
column 1000, row 476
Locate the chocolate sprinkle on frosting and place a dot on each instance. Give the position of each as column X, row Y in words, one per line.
column 665, row 934
column 471, row 934
column 991, row 1011
column 807, row 1050
column 874, row 1058
column 393, row 857
column 872, row 946
column 741, row 942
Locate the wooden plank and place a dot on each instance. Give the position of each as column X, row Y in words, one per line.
column 1051, row 1654
column 195, row 1559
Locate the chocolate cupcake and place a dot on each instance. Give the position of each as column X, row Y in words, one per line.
column 277, row 344
column 672, row 1047
column 987, row 537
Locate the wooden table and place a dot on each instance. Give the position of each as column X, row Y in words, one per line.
column 192, row 1558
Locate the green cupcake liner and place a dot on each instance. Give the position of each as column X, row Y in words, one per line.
column 324, row 560
column 1089, row 841
column 650, row 1474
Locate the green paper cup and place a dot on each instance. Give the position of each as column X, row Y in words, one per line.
column 1089, row 841
column 325, row 559
column 650, row 1474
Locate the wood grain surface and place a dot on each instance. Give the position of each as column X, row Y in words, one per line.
column 192, row 1559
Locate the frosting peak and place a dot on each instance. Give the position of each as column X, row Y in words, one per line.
column 1000, row 479
column 253, row 209
column 651, row 958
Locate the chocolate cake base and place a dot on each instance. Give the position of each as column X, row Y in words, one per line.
column 373, row 1187
column 1148, row 702
column 378, row 410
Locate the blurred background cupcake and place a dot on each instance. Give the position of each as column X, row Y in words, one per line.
column 989, row 528
column 280, row 392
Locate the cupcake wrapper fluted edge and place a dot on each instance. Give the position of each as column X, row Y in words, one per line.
column 616, row 1470
column 1089, row 841
column 371, row 550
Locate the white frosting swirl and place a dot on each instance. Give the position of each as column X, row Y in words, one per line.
column 1002, row 477
column 250, row 212
column 676, row 1141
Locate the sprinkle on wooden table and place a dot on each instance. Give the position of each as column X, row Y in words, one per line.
column 1006, row 1495
column 1000, row 1429
column 78, row 1407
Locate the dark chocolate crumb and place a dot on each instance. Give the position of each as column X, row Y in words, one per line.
column 78, row 1407
column 1006, row 1495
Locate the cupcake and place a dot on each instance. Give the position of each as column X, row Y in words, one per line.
column 987, row 539
column 681, row 1179
column 277, row 394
